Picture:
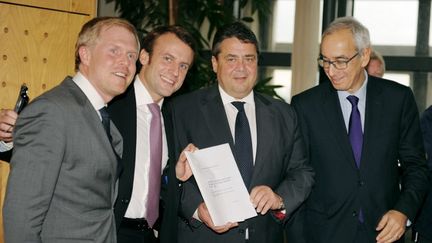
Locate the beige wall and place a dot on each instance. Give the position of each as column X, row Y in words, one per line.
column 37, row 48
column 305, row 46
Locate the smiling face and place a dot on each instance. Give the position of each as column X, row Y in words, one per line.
column 340, row 45
column 109, row 63
column 236, row 67
column 165, row 69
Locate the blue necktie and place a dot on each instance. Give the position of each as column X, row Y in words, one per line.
column 243, row 144
column 355, row 134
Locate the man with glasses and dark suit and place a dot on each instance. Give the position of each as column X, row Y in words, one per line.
column 357, row 129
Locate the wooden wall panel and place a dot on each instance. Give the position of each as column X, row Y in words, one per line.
column 34, row 51
column 87, row 7
column 37, row 48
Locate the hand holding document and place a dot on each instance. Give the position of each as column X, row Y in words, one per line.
column 221, row 184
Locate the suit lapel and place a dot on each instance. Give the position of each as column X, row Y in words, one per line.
column 123, row 106
column 373, row 119
column 334, row 118
column 94, row 121
column 215, row 116
column 265, row 122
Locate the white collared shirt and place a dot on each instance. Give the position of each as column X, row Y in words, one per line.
column 5, row 146
column 90, row 92
column 137, row 205
column 347, row 107
column 231, row 113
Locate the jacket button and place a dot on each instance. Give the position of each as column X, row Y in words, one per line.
column 354, row 214
column 125, row 200
column 241, row 231
column 361, row 183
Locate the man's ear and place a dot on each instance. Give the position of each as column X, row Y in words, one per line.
column 365, row 57
column 84, row 54
column 214, row 64
column 144, row 57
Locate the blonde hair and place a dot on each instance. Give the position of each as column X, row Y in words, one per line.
column 91, row 30
column 377, row 56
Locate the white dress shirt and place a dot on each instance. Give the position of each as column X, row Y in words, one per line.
column 347, row 107
column 90, row 92
column 231, row 113
column 5, row 146
column 137, row 205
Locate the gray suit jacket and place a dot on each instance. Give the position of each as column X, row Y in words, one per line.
column 280, row 162
column 62, row 183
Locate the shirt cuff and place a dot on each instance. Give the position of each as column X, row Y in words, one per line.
column 195, row 215
column 5, row 146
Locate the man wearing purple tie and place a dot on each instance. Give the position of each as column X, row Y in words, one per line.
column 357, row 129
column 166, row 57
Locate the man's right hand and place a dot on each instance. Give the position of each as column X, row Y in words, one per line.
column 204, row 216
column 7, row 122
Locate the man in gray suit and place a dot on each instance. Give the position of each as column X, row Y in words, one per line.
column 62, row 184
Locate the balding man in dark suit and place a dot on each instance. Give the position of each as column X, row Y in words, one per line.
column 357, row 129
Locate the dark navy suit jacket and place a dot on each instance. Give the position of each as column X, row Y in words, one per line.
column 391, row 134
column 423, row 223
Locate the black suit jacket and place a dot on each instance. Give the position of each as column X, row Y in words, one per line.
column 280, row 163
column 423, row 223
column 391, row 134
column 123, row 113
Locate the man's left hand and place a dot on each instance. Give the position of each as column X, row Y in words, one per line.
column 263, row 198
column 183, row 170
column 392, row 226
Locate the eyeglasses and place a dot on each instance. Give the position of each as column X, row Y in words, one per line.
column 338, row 64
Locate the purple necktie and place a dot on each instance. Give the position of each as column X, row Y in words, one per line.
column 356, row 137
column 155, row 164
column 355, row 132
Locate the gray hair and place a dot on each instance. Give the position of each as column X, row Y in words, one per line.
column 359, row 31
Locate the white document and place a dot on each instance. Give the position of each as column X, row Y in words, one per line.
column 221, row 184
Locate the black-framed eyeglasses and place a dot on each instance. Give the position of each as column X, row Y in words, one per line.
column 338, row 64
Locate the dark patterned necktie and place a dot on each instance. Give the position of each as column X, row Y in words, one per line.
column 355, row 132
column 155, row 164
column 106, row 121
column 243, row 144
column 356, row 137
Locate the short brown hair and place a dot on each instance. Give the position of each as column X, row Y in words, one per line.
column 180, row 32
